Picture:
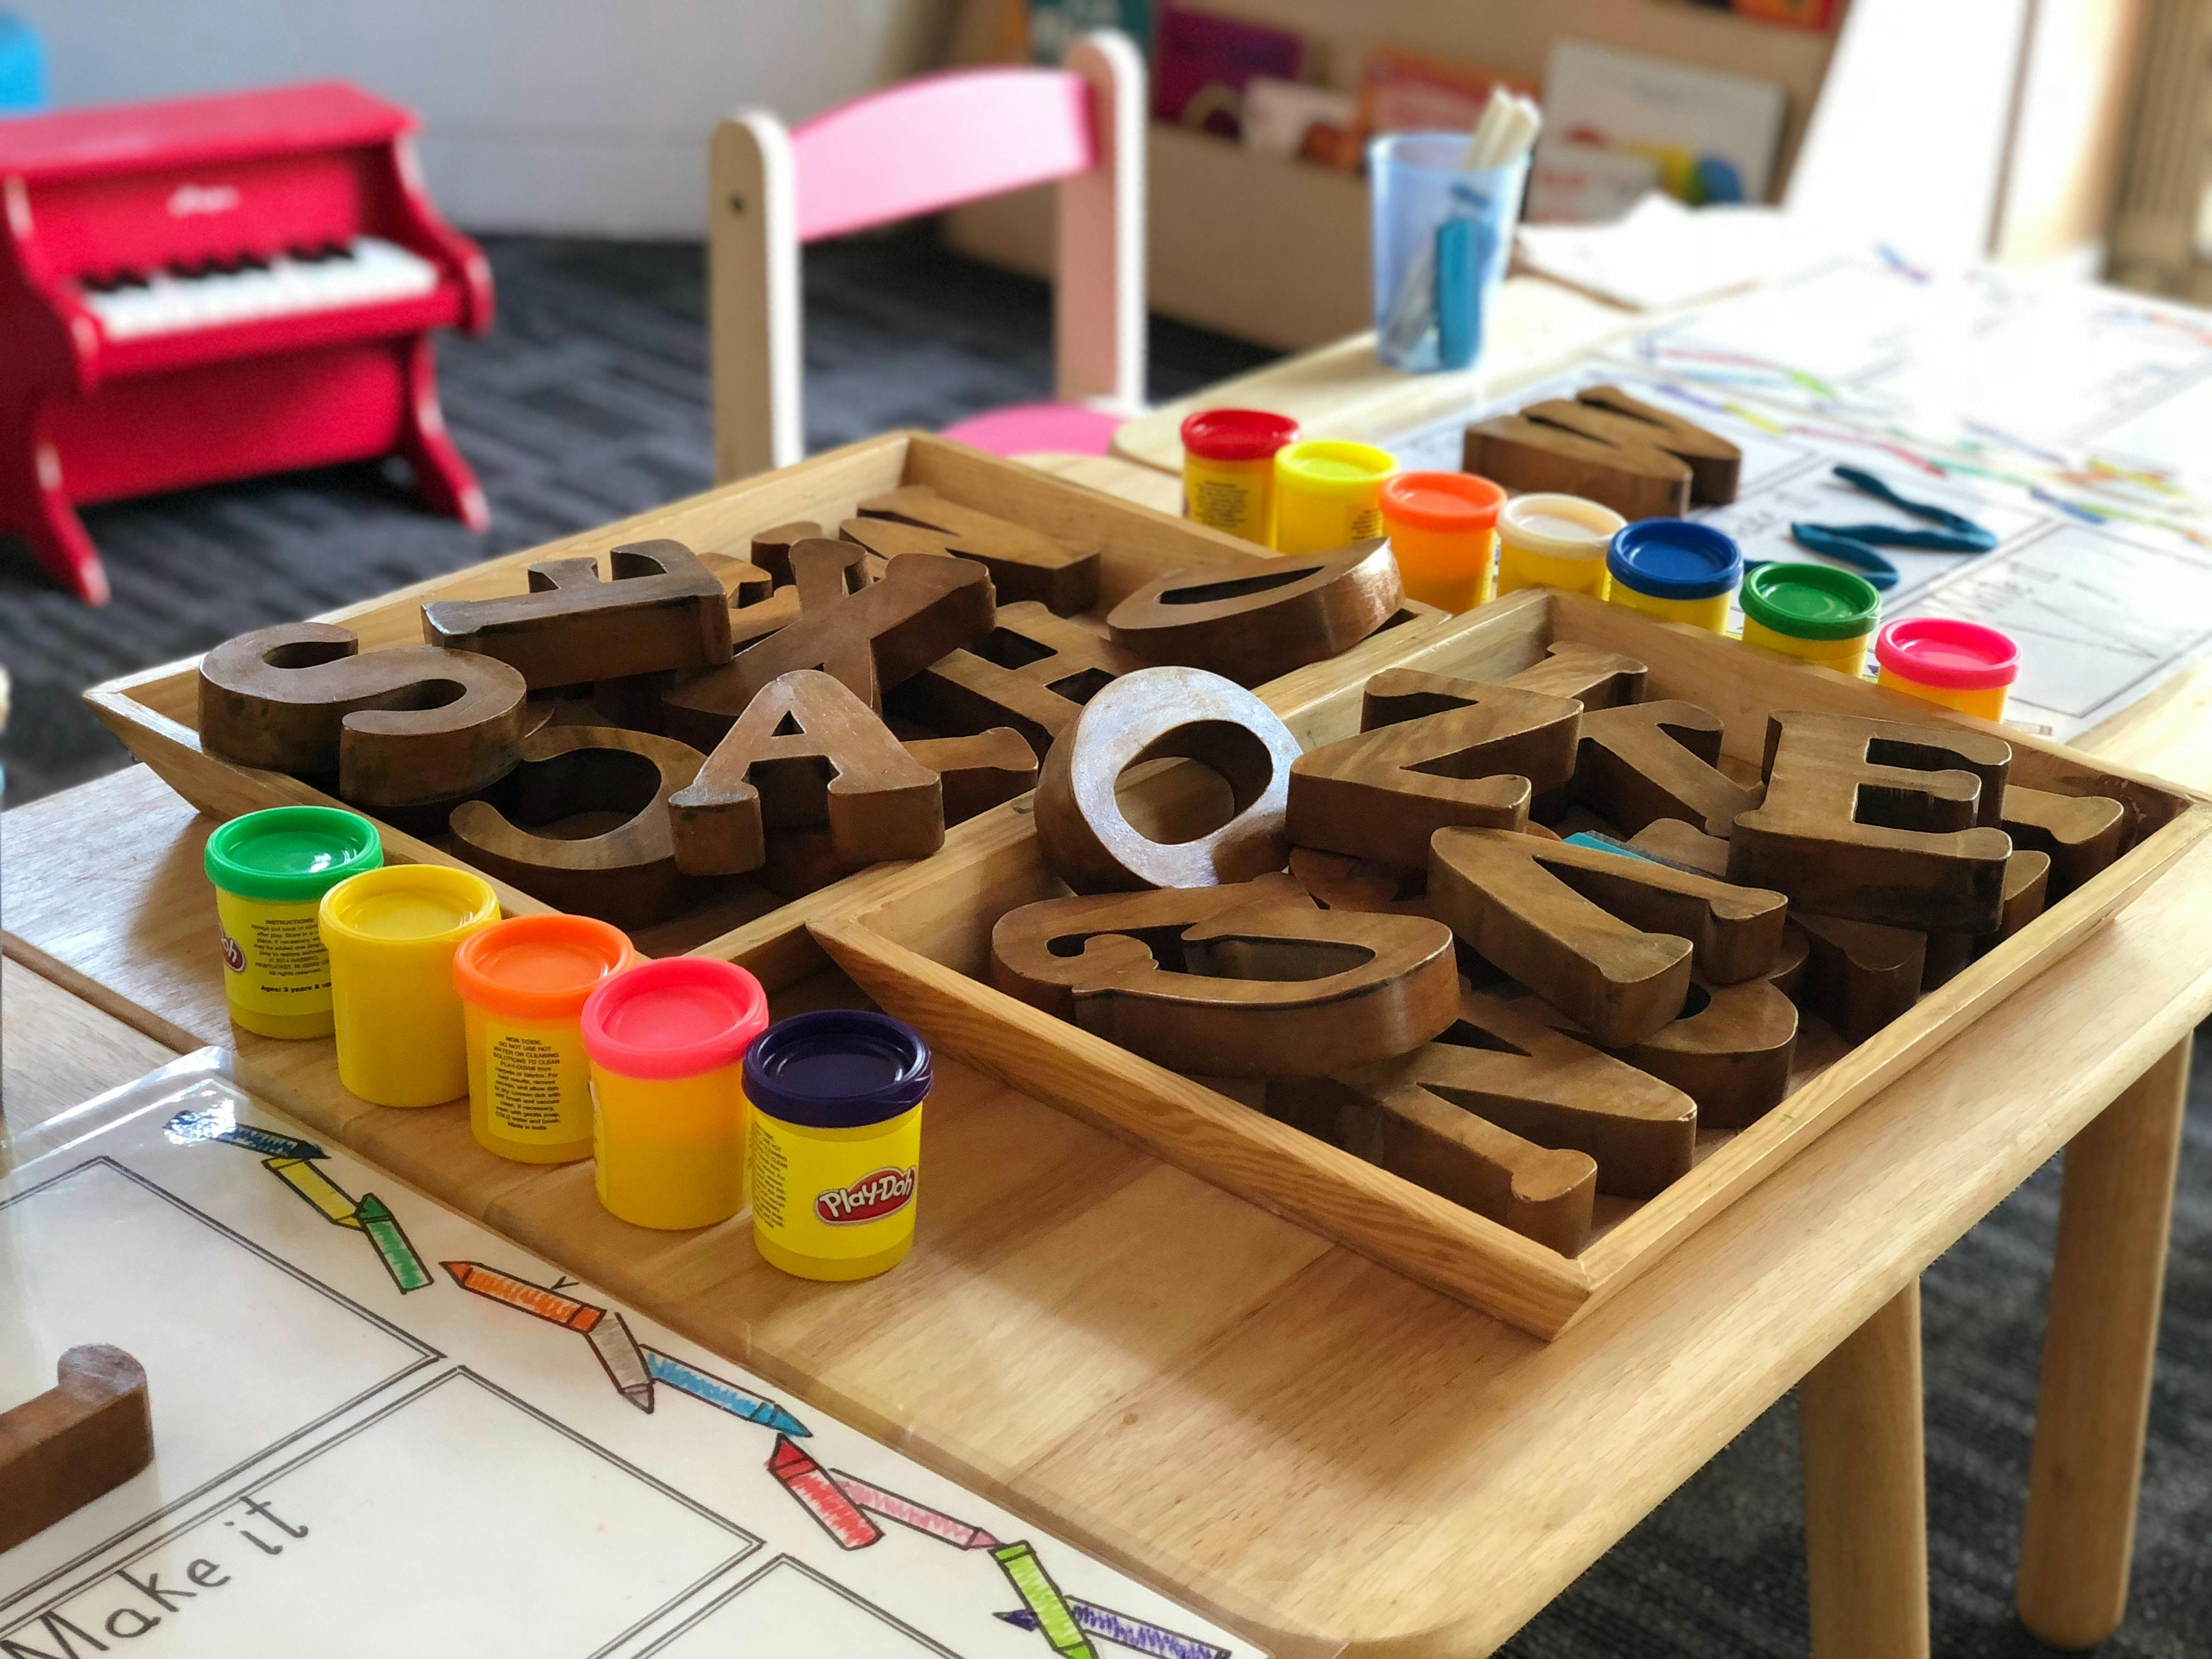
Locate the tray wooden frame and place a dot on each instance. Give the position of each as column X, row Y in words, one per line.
column 154, row 711
column 920, row 941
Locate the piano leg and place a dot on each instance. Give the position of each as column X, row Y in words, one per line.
column 443, row 479
column 34, row 505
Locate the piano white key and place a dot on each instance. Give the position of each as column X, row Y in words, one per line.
column 373, row 272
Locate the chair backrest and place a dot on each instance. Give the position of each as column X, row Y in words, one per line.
column 917, row 148
column 934, row 143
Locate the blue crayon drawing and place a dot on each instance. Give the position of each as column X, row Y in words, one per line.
column 716, row 1391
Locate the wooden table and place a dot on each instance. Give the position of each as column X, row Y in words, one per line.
column 1192, row 1388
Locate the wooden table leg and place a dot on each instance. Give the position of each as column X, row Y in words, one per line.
column 1866, row 1496
column 2105, row 1285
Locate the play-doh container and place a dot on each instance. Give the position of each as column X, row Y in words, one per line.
column 1443, row 528
column 270, row 870
column 1960, row 665
column 1554, row 540
column 666, row 1041
column 836, row 1102
column 1674, row 570
column 1327, row 494
column 392, row 934
column 524, row 982
column 1229, row 470
column 1812, row 611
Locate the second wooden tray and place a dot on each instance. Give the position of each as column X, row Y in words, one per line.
column 921, row 948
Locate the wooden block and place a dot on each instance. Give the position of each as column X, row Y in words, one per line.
column 1245, row 980
column 2026, row 886
column 2082, row 834
column 1879, row 821
column 1607, row 939
column 1383, row 794
column 1032, row 671
column 614, row 785
column 1595, row 678
column 1023, row 563
column 1716, row 465
column 1148, row 715
column 977, row 772
column 1635, row 479
column 1859, row 975
column 665, row 609
column 395, row 727
column 1652, row 761
column 85, row 1436
column 1730, row 1051
column 807, row 755
column 869, row 634
column 1252, row 628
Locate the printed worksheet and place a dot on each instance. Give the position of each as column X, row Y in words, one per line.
column 381, row 1430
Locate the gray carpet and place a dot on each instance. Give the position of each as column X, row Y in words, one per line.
column 588, row 401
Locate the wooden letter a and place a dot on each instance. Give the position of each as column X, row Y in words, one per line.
column 806, row 754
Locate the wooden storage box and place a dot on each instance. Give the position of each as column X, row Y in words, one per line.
column 154, row 712
column 921, row 948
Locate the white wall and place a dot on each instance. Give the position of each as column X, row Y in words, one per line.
column 586, row 116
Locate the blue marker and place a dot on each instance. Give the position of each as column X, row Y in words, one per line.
column 738, row 1402
column 219, row 1124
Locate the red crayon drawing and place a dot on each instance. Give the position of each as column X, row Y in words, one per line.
column 807, row 1481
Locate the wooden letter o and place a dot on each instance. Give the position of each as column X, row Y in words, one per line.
column 1151, row 715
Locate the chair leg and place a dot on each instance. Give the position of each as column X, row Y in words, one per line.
column 2098, row 1349
column 34, row 505
column 443, row 481
column 1866, row 1501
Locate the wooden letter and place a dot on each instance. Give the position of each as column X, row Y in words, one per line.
column 1384, row 793
column 1248, row 980
column 1526, row 454
column 1253, row 627
column 665, row 609
column 1023, row 563
column 1607, row 412
column 1657, row 760
column 2082, row 834
column 1337, row 882
column 86, row 1435
column 1594, row 678
column 397, row 727
column 1880, row 821
column 1859, row 975
column 977, row 772
column 771, row 548
column 2026, row 885
column 614, row 784
column 1465, row 1115
column 1730, row 1051
column 1033, row 672
column 807, row 755
column 868, row 635
column 1606, row 938
column 1152, row 714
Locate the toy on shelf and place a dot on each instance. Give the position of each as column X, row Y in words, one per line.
column 217, row 288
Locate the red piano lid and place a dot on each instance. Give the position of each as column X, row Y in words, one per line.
column 84, row 143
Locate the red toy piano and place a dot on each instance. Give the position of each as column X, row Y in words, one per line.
column 217, row 288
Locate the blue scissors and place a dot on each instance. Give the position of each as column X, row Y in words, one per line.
column 1856, row 545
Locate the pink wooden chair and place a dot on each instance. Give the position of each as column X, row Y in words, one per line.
column 917, row 148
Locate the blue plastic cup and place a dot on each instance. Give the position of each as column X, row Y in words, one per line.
column 1442, row 239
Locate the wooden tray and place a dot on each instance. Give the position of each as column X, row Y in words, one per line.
column 921, row 948
column 154, row 712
